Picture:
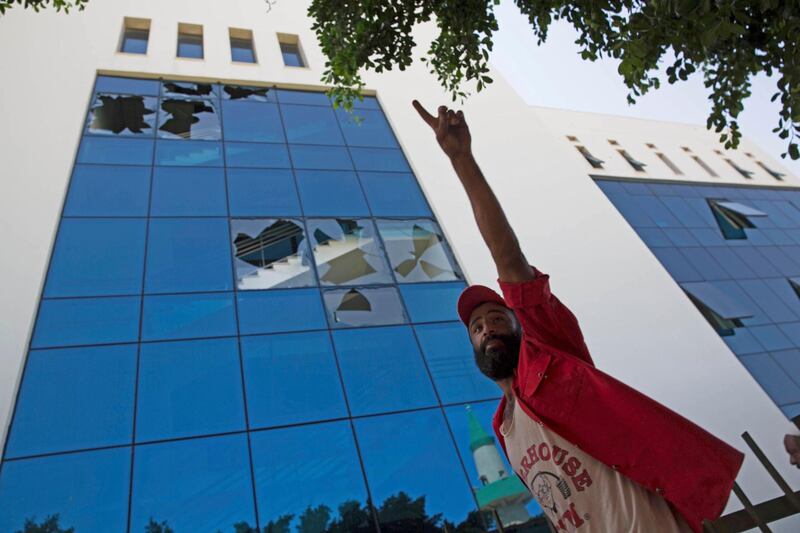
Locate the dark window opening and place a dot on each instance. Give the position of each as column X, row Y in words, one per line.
column 774, row 173
column 669, row 163
column 748, row 174
column 733, row 218
column 594, row 161
column 795, row 283
column 707, row 168
column 237, row 92
column 637, row 165
column 122, row 115
column 270, row 253
column 178, row 88
column 291, row 55
column 723, row 326
column 189, row 119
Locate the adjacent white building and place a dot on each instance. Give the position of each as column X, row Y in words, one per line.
column 638, row 322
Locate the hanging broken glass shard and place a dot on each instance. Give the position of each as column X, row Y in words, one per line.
column 363, row 306
column 417, row 251
column 122, row 115
column 189, row 119
column 239, row 92
column 347, row 252
column 187, row 88
column 271, row 253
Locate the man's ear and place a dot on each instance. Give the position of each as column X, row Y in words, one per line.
column 515, row 321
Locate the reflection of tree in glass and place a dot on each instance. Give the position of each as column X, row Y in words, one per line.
column 49, row 525
column 116, row 114
column 399, row 513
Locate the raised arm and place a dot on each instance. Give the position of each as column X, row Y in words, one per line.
column 453, row 136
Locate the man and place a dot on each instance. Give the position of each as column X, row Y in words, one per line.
column 598, row 455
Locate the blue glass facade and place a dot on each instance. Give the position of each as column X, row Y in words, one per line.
column 248, row 324
column 735, row 251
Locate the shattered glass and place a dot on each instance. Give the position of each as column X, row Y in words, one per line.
column 114, row 114
column 253, row 94
column 417, row 251
column 189, row 119
column 186, row 88
column 363, row 306
column 271, row 253
column 347, row 252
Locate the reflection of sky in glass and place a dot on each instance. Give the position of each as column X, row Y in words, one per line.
column 191, row 386
column 291, row 378
column 74, row 398
column 303, row 467
column 194, row 485
column 450, row 359
column 382, row 370
column 89, row 491
column 413, row 452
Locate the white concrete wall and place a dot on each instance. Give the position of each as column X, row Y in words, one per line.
column 639, row 325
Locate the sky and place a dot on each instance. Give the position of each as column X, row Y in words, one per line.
column 554, row 75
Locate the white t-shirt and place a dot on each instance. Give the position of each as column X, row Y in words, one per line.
column 576, row 491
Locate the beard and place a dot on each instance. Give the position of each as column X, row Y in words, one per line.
column 499, row 361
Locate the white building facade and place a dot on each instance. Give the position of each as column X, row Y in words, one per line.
column 629, row 217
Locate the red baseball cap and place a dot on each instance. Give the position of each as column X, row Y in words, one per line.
column 472, row 297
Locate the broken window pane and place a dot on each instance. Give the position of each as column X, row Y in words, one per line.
column 417, row 251
column 271, row 253
column 188, row 119
column 254, row 94
column 363, row 307
column 114, row 114
column 187, row 88
column 347, row 252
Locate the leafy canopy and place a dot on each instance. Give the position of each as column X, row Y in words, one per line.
column 728, row 41
column 38, row 5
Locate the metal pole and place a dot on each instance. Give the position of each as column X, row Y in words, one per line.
column 750, row 509
column 787, row 490
column 498, row 522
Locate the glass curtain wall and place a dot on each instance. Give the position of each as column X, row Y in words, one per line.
column 248, row 324
column 735, row 251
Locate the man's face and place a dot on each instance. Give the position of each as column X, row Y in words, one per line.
column 495, row 337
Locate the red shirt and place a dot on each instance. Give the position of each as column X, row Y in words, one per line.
column 557, row 384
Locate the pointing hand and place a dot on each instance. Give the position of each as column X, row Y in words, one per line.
column 451, row 130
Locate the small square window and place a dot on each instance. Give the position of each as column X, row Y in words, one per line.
column 135, row 34
column 242, row 50
column 290, row 50
column 190, row 41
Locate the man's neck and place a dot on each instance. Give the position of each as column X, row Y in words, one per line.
column 505, row 385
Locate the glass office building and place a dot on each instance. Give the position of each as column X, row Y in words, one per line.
column 248, row 324
column 735, row 251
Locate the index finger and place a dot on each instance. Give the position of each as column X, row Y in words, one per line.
column 427, row 117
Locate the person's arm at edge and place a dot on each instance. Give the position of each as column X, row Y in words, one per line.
column 453, row 136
